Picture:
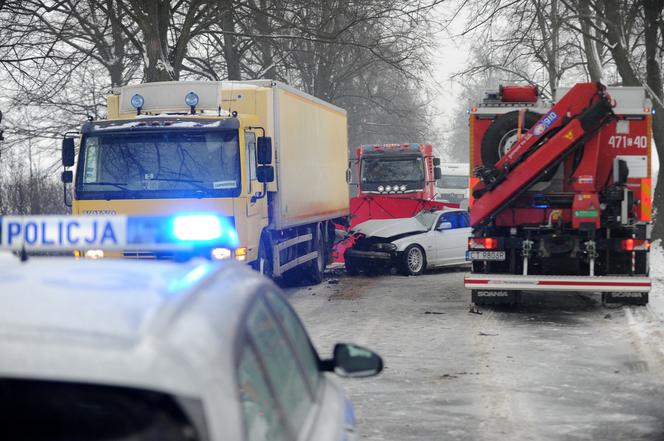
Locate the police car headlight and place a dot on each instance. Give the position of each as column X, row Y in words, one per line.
column 220, row 253
column 94, row 254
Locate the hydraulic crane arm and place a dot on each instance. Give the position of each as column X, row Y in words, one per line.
column 566, row 127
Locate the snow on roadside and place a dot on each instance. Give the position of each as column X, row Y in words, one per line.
column 648, row 324
column 656, row 304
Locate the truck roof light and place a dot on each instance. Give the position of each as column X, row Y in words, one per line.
column 137, row 102
column 191, row 99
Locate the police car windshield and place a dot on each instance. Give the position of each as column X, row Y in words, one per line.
column 53, row 411
column 392, row 170
column 160, row 163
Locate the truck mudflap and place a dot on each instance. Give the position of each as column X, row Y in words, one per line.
column 506, row 282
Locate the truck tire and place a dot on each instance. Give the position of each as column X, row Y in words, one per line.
column 317, row 266
column 264, row 261
column 414, row 260
column 502, row 134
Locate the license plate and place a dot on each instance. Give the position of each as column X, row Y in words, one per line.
column 485, row 255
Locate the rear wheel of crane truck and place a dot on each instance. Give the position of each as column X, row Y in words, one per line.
column 625, row 298
column 483, row 297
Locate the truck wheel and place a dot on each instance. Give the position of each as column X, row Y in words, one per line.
column 264, row 261
column 503, row 133
column 317, row 268
column 414, row 260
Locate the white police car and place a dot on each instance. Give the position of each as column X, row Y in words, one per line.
column 157, row 350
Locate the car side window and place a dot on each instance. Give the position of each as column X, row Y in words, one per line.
column 464, row 220
column 261, row 416
column 298, row 336
column 280, row 364
column 457, row 219
column 446, row 217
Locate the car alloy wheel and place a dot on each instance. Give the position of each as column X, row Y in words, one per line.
column 414, row 260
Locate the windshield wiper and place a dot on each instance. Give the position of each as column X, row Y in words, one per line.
column 193, row 182
column 119, row 185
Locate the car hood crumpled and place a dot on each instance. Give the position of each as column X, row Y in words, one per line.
column 389, row 227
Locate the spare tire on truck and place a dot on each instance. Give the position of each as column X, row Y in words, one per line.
column 503, row 133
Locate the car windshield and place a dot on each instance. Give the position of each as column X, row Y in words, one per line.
column 449, row 181
column 392, row 170
column 427, row 218
column 54, row 411
column 167, row 163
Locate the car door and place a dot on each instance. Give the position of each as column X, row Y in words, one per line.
column 452, row 237
column 291, row 399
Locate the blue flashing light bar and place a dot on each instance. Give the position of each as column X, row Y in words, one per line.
column 68, row 233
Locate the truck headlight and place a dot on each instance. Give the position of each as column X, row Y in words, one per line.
column 220, row 253
column 381, row 188
column 402, row 188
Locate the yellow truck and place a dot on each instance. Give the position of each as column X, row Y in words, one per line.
column 266, row 157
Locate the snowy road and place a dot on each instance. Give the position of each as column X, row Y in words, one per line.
column 562, row 367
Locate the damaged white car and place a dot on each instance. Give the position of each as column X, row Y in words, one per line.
column 427, row 240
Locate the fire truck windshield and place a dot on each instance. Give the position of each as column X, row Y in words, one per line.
column 159, row 164
column 392, row 170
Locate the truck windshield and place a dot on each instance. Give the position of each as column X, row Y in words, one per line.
column 453, row 182
column 392, row 170
column 154, row 164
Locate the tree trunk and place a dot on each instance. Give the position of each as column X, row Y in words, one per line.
column 615, row 36
column 231, row 54
column 590, row 48
column 153, row 18
column 652, row 12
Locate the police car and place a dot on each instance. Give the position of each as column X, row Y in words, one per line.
column 156, row 350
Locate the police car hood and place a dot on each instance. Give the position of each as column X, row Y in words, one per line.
column 390, row 227
column 86, row 300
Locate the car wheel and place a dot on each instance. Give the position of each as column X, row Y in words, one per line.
column 414, row 260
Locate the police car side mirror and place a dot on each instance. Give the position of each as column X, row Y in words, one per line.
column 437, row 174
column 265, row 173
column 264, row 150
column 67, row 177
column 354, row 361
column 68, row 152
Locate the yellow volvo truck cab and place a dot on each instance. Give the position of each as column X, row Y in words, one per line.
column 263, row 156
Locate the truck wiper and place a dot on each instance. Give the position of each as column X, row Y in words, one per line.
column 193, row 182
column 120, row 185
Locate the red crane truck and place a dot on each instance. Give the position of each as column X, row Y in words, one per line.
column 562, row 194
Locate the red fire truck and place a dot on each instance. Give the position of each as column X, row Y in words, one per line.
column 562, row 194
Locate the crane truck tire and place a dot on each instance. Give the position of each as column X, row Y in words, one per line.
column 317, row 266
column 503, row 133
